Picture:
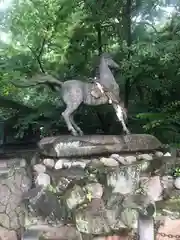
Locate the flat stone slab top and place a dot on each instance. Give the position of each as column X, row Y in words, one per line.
column 88, row 145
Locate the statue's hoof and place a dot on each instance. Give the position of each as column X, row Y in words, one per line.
column 74, row 133
column 77, row 134
column 128, row 132
column 81, row 133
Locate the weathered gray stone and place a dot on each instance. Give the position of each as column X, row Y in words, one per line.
column 23, row 163
column 49, row 162
column 167, row 182
column 177, row 183
column 130, row 159
column 62, row 184
column 81, row 190
column 129, row 218
column 43, row 179
column 124, row 180
column 39, row 168
column 67, row 163
column 117, row 216
column 32, row 193
column 119, row 183
column 59, row 164
column 143, row 203
column 75, row 197
column 64, row 146
column 45, row 203
column 35, row 158
column 95, row 189
column 144, row 166
column 97, row 219
column 81, row 164
column 94, row 165
column 158, row 154
column 115, row 156
column 92, row 219
column 109, row 162
column 72, row 174
column 167, row 154
column 14, row 162
column 118, row 158
column 145, row 156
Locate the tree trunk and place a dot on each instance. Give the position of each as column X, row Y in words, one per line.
column 128, row 37
column 140, row 92
column 99, row 38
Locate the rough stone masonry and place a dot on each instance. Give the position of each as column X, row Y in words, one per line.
column 82, row 187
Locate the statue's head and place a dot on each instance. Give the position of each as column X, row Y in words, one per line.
column 108, row 59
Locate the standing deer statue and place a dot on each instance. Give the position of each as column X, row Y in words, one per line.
column 75, row 92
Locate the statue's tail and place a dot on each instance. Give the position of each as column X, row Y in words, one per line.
column 38, row 80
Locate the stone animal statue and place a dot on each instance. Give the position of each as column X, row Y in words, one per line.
column 117, row 105
column 76, row 92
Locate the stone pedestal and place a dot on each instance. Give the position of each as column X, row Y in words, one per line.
column 85, row 181
column 89, row 187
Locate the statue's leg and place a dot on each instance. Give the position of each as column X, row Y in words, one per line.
column 67, row 117
column 76, row 126
column 120, row 115
column 72, row 96
column 125, row 129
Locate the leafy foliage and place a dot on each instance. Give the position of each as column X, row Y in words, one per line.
column 65, row 37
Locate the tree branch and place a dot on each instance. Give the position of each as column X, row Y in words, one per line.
column 38, row 53
column 42, row 47
column 37, row 57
